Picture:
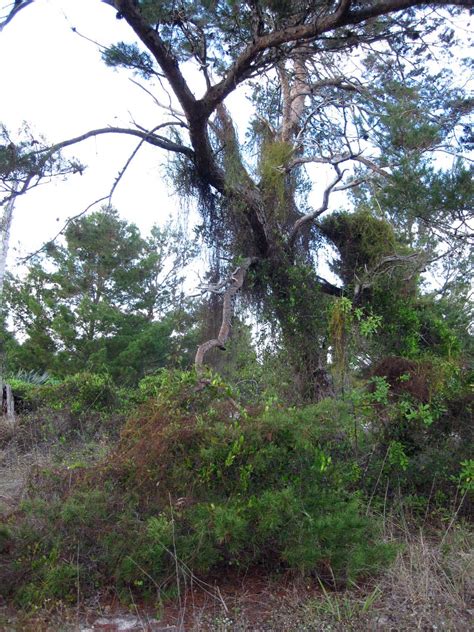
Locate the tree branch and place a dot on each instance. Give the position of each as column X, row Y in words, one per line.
column 163, row 55
column 247, row 63
column 329, row 288
column 309, row 217
column 149, row 137
column 61, row 232
column 235, row 281
column 18, row 6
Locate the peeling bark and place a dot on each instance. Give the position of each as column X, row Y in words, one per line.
column 236, row 281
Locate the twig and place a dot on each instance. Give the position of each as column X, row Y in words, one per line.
column 61, row 232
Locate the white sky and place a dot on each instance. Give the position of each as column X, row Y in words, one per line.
column 56, row 81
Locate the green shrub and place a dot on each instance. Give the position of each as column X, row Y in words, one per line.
column 197, row 483
column 27, row 395
column 82, row 393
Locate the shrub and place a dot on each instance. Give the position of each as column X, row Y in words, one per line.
column 198, row 483
column 82, row 393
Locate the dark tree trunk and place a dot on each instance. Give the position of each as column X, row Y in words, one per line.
column 298, row 304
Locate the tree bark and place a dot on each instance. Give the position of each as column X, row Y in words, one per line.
column 7, row 402
column 235, row 284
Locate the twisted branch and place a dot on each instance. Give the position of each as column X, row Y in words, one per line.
column 236, row 280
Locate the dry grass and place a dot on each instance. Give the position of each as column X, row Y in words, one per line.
column 431, row 585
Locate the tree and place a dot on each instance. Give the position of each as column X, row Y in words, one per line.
column 333, row 83
column 107, row 299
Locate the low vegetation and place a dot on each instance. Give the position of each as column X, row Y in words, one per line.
column 198, row 485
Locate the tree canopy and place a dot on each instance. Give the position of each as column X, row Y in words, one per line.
column 347, row 95
column 108, row 300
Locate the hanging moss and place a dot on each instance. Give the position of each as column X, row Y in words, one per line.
column 361, row 238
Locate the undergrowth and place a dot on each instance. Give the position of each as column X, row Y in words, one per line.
column 196, row 483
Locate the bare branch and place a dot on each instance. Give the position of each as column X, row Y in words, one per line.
column 63, row 229
column 415, row 262
column 176, row 113
column 149, row 137
column 122, row 171
column 18, row 5
column 372, row 165
column 325, row 160
column 309, row 217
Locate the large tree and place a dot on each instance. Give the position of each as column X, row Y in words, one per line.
column 352, row 86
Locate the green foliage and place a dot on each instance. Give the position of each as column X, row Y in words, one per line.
column 466, row 476
column 418, row 443
column 106, row 302
column 361, row 238
column 129, row 56
column 396, row 455
column 381, row 390
column 197, row 480
column 5, row 536
column 82, row 393
column 349, row 330
column 55, row 581
column 274, row 157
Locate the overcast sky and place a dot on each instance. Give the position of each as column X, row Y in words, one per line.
column 55, row 80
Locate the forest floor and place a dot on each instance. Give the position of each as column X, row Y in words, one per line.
column 429, row 587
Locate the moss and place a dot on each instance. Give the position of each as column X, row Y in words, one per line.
column 361, row 238
column 274, row 158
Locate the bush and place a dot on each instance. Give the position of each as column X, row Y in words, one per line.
column 198, row 483
column 418, row 442
column 82, row 393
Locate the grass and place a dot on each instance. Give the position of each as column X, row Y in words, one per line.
column 429, row 587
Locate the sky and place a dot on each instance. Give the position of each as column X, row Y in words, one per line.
column 56, row 81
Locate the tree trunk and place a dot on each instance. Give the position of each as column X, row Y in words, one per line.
column 7, row 404
column 299, row 306
column 234, row 284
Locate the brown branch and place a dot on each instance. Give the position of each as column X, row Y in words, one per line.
column 163, row 55
column 252, row 56
column 149, row 137
column 236, row 281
